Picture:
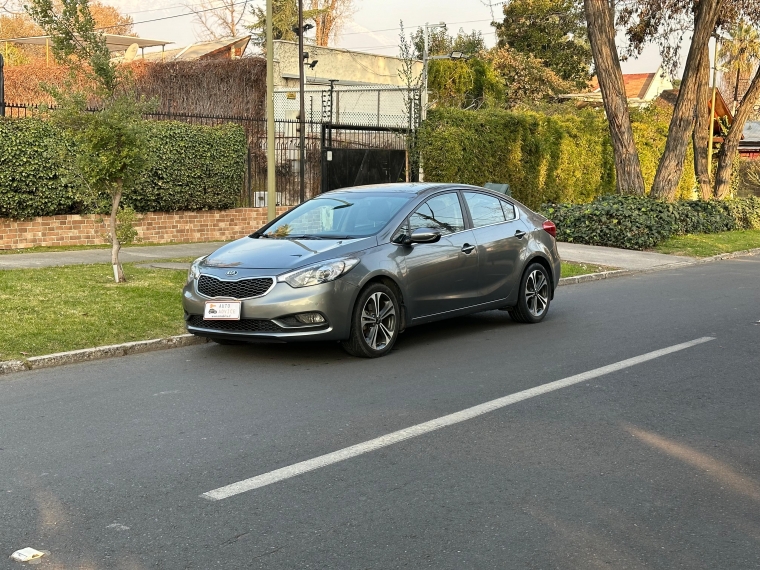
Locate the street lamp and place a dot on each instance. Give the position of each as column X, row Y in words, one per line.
column 712, row 108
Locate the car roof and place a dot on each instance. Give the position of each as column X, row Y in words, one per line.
column 412, row 188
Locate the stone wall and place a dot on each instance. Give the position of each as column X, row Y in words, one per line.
column 171, row 227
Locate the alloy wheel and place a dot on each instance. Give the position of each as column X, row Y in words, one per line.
column 537, row 293
column 378, row 321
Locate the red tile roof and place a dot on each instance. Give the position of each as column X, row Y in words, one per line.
column 636, row 84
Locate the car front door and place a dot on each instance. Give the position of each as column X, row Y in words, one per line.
column 443, row 276
column 500, row 237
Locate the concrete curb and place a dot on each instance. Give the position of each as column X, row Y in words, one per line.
column 100, row 352
column 87, row 354
column 625, row 272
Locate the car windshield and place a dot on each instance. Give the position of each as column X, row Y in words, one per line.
column 342, row 216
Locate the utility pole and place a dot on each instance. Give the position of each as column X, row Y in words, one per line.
column 302, row 108
column 271, row 174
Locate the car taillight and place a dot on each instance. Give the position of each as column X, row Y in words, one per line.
column 550, row 228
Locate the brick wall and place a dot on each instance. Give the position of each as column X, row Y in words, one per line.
column 172, row 227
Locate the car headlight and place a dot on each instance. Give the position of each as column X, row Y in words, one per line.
column 318, row 273
column 194, row 272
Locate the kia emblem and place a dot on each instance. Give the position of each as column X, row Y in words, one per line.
column 232, row 273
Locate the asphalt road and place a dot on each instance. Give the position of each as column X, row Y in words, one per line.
column 655, row 465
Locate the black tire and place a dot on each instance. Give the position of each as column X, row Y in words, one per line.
column 373, row 331
column 534, row 296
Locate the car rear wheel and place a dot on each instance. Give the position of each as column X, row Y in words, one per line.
column 375, row 322
column 534, row 297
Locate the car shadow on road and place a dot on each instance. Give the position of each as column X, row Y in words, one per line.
column 415, row 337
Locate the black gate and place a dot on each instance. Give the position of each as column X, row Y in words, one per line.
column 357, row 156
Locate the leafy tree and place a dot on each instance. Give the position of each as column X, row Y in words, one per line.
column 523, row 79
column 552, row 31
column 601, row 31
column 740, row 56
column 284, row 19
column 109, row 142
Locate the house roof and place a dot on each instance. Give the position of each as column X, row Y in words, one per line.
column 636, row 84
column 113, row 41
column 201, row 50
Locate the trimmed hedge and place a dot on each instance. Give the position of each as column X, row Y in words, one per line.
column 33, row 181
column 544, row 158
column 635, row 222
column 190, row 167
column 559, row 155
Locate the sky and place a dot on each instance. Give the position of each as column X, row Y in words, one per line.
column 373, row 28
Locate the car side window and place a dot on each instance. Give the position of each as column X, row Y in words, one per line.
column 442, row 213
column 509, row 210
column 484, row 209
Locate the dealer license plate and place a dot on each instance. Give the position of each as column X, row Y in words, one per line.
column 222, row 311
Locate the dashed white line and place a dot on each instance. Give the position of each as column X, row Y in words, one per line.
column 432, row 425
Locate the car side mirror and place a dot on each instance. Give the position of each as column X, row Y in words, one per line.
column 424, row 235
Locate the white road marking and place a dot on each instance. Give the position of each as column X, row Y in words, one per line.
column 432, row 425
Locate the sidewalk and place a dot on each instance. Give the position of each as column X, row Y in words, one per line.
column 594, row 255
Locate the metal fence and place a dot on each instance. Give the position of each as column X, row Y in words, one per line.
column 254, row 190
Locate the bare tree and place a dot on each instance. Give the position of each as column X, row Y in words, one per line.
column 601, row 31
column 330, row 17
column 219, row 18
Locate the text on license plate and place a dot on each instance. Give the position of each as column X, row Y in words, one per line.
column 222, row 311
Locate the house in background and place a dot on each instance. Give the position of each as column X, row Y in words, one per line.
column 749, row 147
column 224, row 48
column 641, row 89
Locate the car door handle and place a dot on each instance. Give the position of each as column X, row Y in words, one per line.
column 467, row 248
column 519, row 234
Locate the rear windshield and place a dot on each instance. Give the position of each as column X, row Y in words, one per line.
column 342, row 216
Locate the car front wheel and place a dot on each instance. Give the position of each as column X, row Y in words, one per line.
column 375, row 322
column 534, row 297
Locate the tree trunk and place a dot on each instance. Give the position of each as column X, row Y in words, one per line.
column 701, row 135
column 601, row 33
column 730, row 146
column 670, row 168
column 118, row 271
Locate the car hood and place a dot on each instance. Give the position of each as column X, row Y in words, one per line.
column 252, row 253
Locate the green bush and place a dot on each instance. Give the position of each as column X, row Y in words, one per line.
column 638, row 222
column 544, row 158
column 189, row 167
column 556, row 155
column 33, row 180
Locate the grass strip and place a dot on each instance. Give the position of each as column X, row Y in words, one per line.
column 570, row 269
column 707, row 245
column 56, row 309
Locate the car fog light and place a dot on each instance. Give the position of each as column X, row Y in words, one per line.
column 310, row 318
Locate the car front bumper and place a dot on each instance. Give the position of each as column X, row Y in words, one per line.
column 270, row 317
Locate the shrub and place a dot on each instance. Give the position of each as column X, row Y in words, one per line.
column 189, row 167
column 33, row 181
column 544, row 158
column 636, row 222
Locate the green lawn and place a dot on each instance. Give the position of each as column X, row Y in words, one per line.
column 570, row 269
column 65, row 308
column 706, row 245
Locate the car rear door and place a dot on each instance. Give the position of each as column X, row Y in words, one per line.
column 443, row 276
column 500, row 236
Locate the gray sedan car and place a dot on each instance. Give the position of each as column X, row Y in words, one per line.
column 360, row 265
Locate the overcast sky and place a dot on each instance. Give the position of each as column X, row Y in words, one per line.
column 373, row 28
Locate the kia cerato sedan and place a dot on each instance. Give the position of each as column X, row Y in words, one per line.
column 360, row 265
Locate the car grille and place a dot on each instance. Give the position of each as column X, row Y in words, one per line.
column 243, row 289
column 243, row 325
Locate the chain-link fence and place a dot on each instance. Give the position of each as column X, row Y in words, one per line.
column 392, row 107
